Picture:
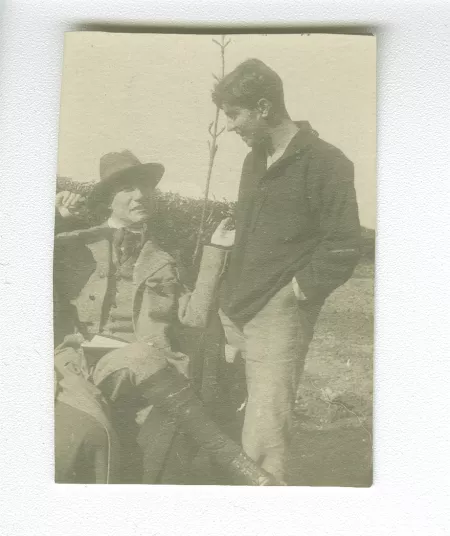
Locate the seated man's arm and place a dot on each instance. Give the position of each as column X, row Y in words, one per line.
column 194, row 308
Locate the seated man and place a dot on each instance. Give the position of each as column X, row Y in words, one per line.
column 127, row 291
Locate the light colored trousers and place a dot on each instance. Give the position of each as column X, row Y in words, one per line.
column 274, row 345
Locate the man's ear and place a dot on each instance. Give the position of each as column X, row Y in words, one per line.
column 264, row 106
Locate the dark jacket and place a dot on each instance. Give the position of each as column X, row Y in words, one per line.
column 297, row 218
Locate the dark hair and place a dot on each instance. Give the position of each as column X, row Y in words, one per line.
column 251, row 81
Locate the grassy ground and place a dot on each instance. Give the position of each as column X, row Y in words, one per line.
column 337, row 384
column 332, row 443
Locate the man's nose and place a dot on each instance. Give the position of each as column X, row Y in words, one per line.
column 138, row 194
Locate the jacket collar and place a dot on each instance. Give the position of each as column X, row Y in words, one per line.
column 116, row 224
column 301, row 140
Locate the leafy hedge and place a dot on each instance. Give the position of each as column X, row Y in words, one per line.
column 178, row 220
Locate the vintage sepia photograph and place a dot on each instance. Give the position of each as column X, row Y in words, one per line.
column 214, row 250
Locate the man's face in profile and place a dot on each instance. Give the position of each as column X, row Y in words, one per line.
column 134, row 202
column 248, row 124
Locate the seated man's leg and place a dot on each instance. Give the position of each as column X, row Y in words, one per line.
column 71, row 427
column 86, row 449
column 145, row 445
column 147, row 370
column 171, row 392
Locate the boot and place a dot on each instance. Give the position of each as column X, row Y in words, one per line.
column 172, row 392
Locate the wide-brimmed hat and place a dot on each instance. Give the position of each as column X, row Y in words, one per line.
column 123, row 167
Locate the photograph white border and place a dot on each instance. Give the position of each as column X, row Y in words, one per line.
column 410, row 491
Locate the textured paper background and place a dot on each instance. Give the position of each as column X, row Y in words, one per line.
column 410, row 494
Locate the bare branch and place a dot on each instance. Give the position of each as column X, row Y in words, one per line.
column 213, row 147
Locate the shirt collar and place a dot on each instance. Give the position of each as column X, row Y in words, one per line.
column 271, row 159
column 114, row 223
column 302, row 138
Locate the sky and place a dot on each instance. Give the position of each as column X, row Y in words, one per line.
column 151, row 94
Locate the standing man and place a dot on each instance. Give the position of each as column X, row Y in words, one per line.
column 297, row 239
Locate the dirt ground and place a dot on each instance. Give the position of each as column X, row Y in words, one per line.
column 337, row 383
column 332, row 443
column 333, row 435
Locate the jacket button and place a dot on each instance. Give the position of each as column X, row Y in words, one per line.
column 101, row 274
column 91, row 297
